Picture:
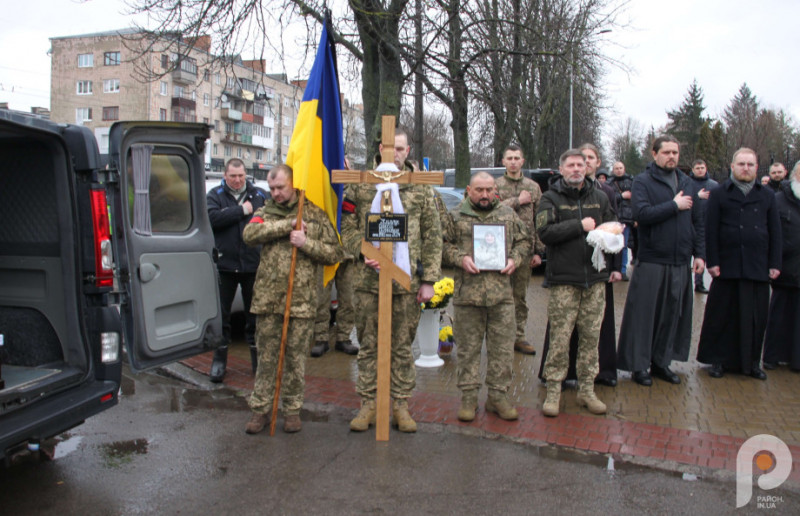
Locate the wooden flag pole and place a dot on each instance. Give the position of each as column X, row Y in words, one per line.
column 286, row 312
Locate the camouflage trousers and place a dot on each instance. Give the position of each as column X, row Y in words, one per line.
column 519, row 282
column 405, row 317
column 570, row 307
column 471, row 324
column 268, row 342
column 345, row 314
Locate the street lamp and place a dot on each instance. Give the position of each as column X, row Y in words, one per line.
column 571, row 72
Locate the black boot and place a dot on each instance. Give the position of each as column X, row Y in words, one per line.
column 254, row 358
column 219, row 363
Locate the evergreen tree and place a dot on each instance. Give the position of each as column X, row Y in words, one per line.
column 740, row 119
column 686, row 122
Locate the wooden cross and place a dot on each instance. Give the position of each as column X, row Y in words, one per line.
column 388, row 270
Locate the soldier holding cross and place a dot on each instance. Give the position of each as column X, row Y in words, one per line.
column 421, row 258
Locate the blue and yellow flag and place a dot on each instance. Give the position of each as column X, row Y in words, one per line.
column 317, row 146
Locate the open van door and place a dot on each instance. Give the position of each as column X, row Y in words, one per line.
column 165, row 245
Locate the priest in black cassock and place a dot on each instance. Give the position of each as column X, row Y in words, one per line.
column 743, row 252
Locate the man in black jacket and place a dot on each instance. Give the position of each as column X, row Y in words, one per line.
column 743, row 247
column 571, row 208
column 230, row 207
column 702, row 186
column 777, row 176
column 622, row 183
column 657, row 321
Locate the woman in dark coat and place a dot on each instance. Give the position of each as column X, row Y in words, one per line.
column 782, row 341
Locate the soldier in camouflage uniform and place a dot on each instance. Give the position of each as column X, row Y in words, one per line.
column 345, row 313
column 272, row 226
column 425, row 256
column 522, row 195
column 569, row 210
column 483, row 300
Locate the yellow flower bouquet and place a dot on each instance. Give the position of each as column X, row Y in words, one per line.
column 442, row 292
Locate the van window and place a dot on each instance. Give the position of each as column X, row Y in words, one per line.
column 169, row 202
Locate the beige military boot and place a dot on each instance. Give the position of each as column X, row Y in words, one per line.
column 365, row 416
column 553, row 399
column 402, row 419
column 499, row 404
column 586, row 398
column 257, row 423
column 469, row 404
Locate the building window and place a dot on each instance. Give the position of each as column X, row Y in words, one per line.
column 84, row 87
column 194, row 96
column 205, row 74
column 216, row 125
column 83, row 115
column 268, row 132
column 177, row 91
column 227, row 150
column 111, row 86
column 206, row 99
column 286, row 140
column 286, row 101
column 216, row 150
column 85, row 60
column 228, row 127
column 287, row 121
column 111, row 59
column 162, row 115
column 164, row 61
column 111, row 113
column 217, row 79
column 239, row 152
column 229, row 83
column 205, row 120
column 269, row 155
column 259, row 155
column 164, row 88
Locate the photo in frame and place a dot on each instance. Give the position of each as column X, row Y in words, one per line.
column 489, row 246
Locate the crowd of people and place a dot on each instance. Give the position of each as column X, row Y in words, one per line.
column 672, row 226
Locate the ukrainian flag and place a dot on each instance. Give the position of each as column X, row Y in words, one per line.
column 317, row 146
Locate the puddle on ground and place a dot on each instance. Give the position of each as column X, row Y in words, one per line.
column 119, row 453
column 66, row 446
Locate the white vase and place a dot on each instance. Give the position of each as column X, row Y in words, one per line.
column 428, row 339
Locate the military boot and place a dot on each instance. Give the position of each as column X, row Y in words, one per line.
column 257, row 423
column 586, row 398
column 499, row 404
column 218, row 364
column 402, row 419
column 469, row 404
column 551, row 403
column 292, row 424
column 365, row 416
column 254, row 358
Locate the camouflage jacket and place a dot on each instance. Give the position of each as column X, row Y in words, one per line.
column 270, row 227
column 489, row 287
column 508, row 189
column 424, row 234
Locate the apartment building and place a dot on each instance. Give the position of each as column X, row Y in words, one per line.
column 100, row 78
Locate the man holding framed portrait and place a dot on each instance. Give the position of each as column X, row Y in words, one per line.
column 488, row 242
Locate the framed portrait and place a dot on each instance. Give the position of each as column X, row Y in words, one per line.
column 489, row 246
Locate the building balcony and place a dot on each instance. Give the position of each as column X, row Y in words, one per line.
column 184, row 101
column 232, row 137
column 247, row 117
column 231, row 114
column 177, row 117
column 185, row 74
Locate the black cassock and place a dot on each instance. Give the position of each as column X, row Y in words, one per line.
column 734, row 323
column 782, row 341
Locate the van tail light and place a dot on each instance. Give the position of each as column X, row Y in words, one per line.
column 103, row 257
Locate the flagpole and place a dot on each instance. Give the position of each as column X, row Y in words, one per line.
column 286, row 312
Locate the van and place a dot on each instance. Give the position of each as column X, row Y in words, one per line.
column 95, row 259
column 542, row 176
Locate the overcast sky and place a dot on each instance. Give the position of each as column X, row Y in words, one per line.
column 721, row 43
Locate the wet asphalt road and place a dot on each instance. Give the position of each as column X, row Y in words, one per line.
column 169, row 448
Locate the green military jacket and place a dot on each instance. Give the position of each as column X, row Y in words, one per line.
column 508, row 189
column 487, row 288
column 424, row 234
column 270, row 228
